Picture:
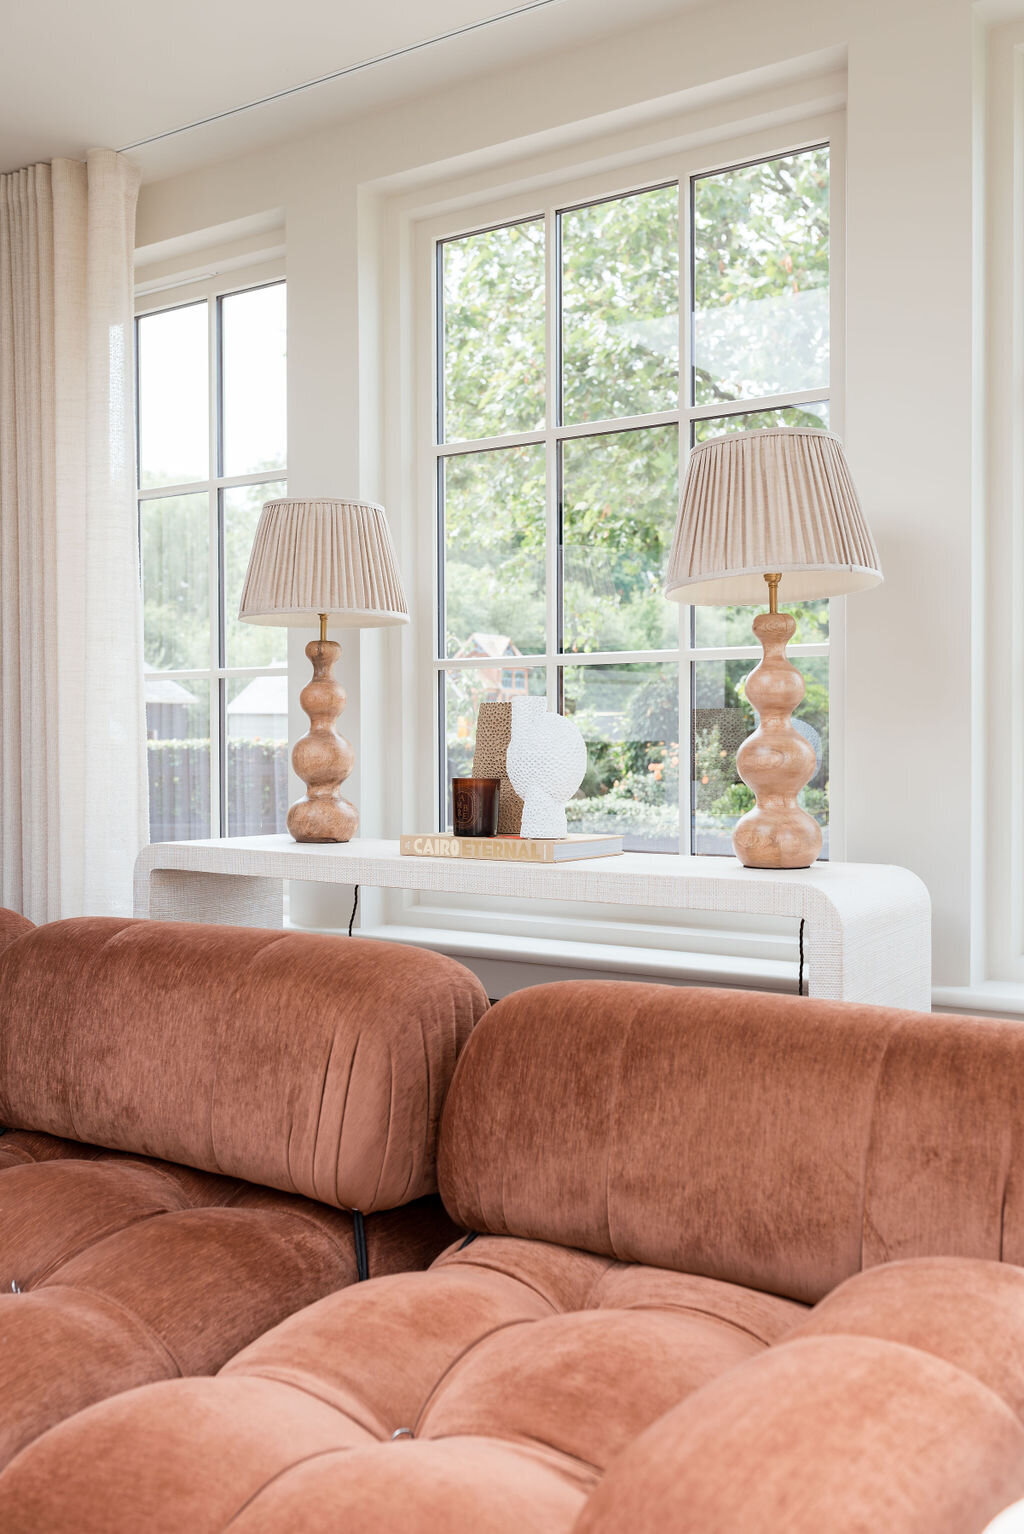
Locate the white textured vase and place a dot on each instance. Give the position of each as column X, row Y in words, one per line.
column 545, row 762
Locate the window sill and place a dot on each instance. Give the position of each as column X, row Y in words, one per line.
column 995, row 998
column 508, row 963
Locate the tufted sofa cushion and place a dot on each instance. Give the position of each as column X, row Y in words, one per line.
column 12, row 927
column 520, row 1369
column 593, row 1378
column 776, row 1145
column 115, row 1270
column 493, row 1393
column 190, row 1103
column 310, row 1064
column 841, row 1433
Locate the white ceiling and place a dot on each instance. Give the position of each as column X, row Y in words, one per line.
column 76, row 74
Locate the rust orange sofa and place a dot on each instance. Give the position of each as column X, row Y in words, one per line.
column 191, row 1114
column 734, row 1264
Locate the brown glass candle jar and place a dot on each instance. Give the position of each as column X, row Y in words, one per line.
column 475, row 806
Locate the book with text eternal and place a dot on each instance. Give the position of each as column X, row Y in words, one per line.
column 509, row 849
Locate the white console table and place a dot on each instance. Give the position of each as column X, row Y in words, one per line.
column 867, row 932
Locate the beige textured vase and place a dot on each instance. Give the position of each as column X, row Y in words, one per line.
column 776, row 761
column 493, row 733
column 322, row 759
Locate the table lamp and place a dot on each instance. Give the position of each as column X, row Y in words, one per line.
column 772, row 507
column 330, row 560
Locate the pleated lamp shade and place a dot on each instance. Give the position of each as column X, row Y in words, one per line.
column 764, row 501
column 326, row 556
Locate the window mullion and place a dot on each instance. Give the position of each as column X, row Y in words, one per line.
column 228, row 671
column 754, row 405
column 685, row 667
column 213, row 498
column 601, row 428
column 552, row 455
column 456, row 449
column 618, row 423
column 247, row 481
column 164, row 492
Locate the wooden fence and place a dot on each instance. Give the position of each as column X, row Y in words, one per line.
column 179, row 788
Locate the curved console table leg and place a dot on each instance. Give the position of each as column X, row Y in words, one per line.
column 874, row 946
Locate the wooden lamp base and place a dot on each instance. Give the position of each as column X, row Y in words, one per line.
column 322, row 759
column 776, row 761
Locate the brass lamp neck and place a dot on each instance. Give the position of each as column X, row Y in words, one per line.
column 773, row 592
column 323, row 623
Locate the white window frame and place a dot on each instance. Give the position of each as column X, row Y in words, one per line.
column 997, row 599
column 645, row 941
column 996, row 592
column 154, row 298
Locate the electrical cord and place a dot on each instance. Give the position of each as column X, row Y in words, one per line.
column 362, row 1255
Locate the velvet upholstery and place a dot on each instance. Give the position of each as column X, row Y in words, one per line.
column 116, row 1270
column 12, row 927
column 295, row 1061
column 676, row 1309
column 310, row 1064
column 776, row 1145
column 831, row 1433
column 521, row 1370
column 968, row 1312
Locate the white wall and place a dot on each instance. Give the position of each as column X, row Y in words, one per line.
column 912, row 273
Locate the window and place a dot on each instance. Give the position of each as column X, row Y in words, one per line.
column 211, row 450
column 580, row 352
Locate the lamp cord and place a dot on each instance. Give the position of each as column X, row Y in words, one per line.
column 800, row 973
column 362, row 1254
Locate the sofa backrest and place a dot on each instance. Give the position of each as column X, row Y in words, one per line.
column 317, row 1065
column 777, row 1142
column 12, row 927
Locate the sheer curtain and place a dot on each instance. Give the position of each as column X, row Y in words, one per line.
column 72, row 733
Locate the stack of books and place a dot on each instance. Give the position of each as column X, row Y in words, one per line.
column 509, row 849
